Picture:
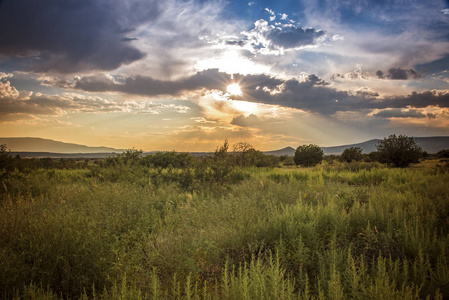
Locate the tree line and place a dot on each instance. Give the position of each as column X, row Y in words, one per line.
column 396, row 151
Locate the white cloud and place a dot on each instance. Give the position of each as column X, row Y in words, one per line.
column 179, row 38
column 6, row 90
column 272, row 14
column 5, row 75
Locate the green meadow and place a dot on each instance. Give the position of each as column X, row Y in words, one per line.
column 123, row 229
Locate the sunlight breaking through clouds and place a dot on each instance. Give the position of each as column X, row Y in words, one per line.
column 315, row 71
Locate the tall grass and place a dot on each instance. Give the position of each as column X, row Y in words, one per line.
column 317, row 233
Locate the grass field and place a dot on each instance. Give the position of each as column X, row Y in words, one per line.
column 337, row 231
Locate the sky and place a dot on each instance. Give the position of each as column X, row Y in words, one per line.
column 185, row 75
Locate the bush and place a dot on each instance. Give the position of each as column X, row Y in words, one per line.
column 5, row 159
column 169, row 160
column 353, row 153
column 443, row 153
column 128, row 157
column 308, row 155
column 399, row 151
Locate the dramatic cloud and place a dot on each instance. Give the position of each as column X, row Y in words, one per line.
column 249, row 121
column 365, row 91
column 71, row 35
column 417, row 100
column 275, row 39
column 15, row 102
column 175, row 43
column 311, row 94
column 150, row 73
column 399, row 113
column 143, row 85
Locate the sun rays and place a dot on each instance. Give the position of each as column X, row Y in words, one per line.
column 234, row 89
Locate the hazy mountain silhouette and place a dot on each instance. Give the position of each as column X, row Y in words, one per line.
column 46, row 145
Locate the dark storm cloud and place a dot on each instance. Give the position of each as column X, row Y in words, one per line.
column 144, row 85
column 129, row 39
column 399, row 113
column 25, row 103
column 292, row 36
column 41, row 104
column 417, row 100
column 398, row 74
column 366, row 92
column 235, row 43
column 312, row 94
column 14, row 102
column 72, row 35
column 380, row 74
column 305, row 95
column 249, row 121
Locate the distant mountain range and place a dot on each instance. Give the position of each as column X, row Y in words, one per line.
column 429, row 144
column 37, row 147
column 45, row 145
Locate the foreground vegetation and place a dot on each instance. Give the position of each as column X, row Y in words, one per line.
column 132, row 228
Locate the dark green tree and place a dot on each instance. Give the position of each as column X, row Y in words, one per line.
column 443, row 153
column 308, row 155
column 399, row 151
column 353, row 153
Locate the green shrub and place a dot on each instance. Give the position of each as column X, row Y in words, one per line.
column 352, row 154
column 308, row 155
column 399, row 151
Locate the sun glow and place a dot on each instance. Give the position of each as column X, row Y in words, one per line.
column 245, row 106
column 234, row 89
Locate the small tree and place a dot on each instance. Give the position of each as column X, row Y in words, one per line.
column 399, row 151
column 244, row 154
column 222, row 152
column 353, row 153
column 5, row 159
column 242, row 147
column 308, row 155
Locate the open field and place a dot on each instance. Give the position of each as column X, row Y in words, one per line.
column 337, row 231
